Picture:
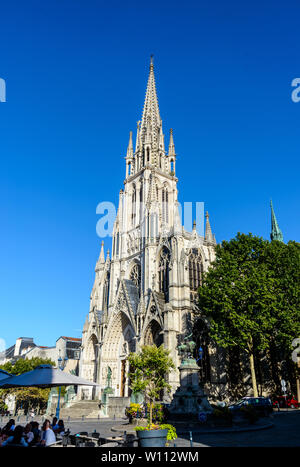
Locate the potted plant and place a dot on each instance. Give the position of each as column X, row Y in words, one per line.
column 156, row 435
column 148, row 370
column 135, row 413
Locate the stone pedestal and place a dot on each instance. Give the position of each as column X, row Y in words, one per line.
column 189, row 400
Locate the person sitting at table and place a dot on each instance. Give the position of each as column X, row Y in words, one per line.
column 60, row 428
column 17, row 438
column 28, row 434
column 54, row 425
column 8, row 429
column 36, row 433
column 48, row 436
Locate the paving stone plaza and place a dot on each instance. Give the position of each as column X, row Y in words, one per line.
column 284, row 431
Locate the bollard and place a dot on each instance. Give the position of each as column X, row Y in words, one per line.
column 68, row 418
column 82, row 418
column 98, row 416
column 191, row 439
column 114, row 416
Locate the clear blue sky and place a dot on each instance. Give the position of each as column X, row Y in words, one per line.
column 76, row 74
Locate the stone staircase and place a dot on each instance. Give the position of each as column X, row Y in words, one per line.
column 88, row 408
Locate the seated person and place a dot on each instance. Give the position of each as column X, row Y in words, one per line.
column 60, row 428
column 28, row 435
column 9, row 427
column 17, row 438
column 54, row 425
column 48, row 436
column 36, row 433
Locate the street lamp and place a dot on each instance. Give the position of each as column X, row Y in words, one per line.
column 61, row 363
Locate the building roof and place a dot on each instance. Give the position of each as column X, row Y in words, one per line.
column 76, row 339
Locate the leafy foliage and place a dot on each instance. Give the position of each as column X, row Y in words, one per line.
column 148, row 370
column 26, row 397
column 250, row 295
column 166, row 426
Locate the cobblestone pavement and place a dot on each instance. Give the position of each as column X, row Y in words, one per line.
column 285, row 432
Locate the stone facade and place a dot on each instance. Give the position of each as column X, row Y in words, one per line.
column 25, row 347
column 144, row 293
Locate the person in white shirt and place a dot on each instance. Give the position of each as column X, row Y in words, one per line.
column 48, row 436
column 28, row 435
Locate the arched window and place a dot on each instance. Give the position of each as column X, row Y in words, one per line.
column 105, row 300
column 163, row 271
column 148, row 155
column 135, row 276
column 141, row 202
column 153, row 226
column 195, row 272
column 133, row 207
column 165, row 204
column 118, row 242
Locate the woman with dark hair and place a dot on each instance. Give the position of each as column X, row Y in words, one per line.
column 17, row 438
column 54, row 425
column 36, row 433
column 60, row 428
column 8, row 429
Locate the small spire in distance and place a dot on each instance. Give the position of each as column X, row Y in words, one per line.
column 171, row 144
column 276, row 233
column 208, row 233
column 129, row 154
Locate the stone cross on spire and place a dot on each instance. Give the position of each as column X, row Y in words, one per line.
column 276, row 233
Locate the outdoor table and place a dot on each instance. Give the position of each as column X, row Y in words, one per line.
column 117, row 439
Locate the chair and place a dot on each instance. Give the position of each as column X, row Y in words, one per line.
column 94, row 435
column 130, row 440
column 83, row 433
column 90, row 444
column 109, row 445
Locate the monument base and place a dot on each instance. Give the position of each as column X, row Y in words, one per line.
column 189, row 400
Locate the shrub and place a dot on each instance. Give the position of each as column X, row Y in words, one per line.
column 166, row 426
column 134, row 411
column 249, row 413
column 222, row 413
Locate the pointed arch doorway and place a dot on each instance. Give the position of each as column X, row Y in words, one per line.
column 116, row 348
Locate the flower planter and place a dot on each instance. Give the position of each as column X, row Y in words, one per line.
column 152, row 438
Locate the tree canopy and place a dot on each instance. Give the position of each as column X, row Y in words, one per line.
column 26, row 397
column 148, row 371
column 250, row 295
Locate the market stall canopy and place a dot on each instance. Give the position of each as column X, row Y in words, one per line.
column 44, row 376
column 4, row 375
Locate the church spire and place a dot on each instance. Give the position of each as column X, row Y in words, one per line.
column 129, row 154
column 276, row 233
column 151, row 118
column 208, row 233
column 101, row 260
column 171, row 144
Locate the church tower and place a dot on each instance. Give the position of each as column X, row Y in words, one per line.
column 145, row 293
column 276, row 233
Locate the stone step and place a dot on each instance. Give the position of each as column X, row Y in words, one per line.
column 80, row 408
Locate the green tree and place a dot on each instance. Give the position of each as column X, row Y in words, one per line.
column 283, row 263
column 148, row 371
column 238, row 296
column 28, row 397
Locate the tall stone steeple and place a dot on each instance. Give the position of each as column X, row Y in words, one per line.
column 151, row 120
column 150, row 148
column 276, row 233
column 208, row 233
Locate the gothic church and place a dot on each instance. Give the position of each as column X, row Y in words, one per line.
column 145, row 292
